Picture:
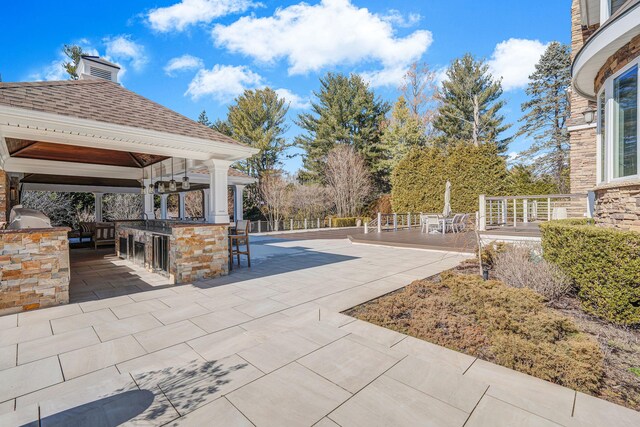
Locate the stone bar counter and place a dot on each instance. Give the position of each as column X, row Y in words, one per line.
column 182, row 251
column 34, row 268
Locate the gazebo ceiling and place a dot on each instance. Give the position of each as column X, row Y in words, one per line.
column 40, row 150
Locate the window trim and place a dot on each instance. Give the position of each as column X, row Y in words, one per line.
column 610, row 128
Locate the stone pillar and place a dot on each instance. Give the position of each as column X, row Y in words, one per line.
column 163, row 206
column 218, row 176
column 148, row 208
column 238, row 206
column 98, row 206
column 181, row 206
column 5, row 191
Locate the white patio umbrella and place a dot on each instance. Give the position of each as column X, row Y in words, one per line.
column 447, row 200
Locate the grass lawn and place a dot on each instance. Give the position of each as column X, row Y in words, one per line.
column 515, row 328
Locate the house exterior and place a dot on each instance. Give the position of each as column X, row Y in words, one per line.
column 603, row 128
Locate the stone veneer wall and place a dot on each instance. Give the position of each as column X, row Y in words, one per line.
column 199, row 252
column 583, row 141
column 4, row 196
column 617, row 61
column 618, row 206
column 34, row 269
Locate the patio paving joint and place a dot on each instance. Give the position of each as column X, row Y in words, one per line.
column 476, row 405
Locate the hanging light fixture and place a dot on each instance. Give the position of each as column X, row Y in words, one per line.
column 160, row 183
column 172, row 184
column 185, row 180
column 142, row 189
column 150, row 189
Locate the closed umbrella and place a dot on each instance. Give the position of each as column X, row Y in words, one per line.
column 447, row 200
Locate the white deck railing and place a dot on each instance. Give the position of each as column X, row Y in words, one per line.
column 514, row 210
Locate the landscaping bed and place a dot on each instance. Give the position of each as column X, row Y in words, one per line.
column 516, row 328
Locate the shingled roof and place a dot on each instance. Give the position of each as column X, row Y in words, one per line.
column 103, row 101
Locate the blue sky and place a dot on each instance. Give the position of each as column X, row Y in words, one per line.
column 192, row 55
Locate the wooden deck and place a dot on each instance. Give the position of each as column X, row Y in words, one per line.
column 414, row 238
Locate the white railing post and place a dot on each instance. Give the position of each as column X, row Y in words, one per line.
column 548, row 208
column 503, row 207
column 291, row 224
column 379, row 222
column 318, row 222
column 482, row 213
column 305, row 223
column 329, row 222
column 525, row 210
column 366, row 228
column 259, row 226
column 409, row 220
column 515, row 213
column 591, row 201
column 395, row 222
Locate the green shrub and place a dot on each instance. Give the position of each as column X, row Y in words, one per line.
column 418, row 182
column 348, row 221
column 603, row 264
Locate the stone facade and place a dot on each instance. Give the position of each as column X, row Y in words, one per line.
column 617, row 61
column 34, row 269
column 196, row 250
column 618, row 206
column 582, row 139
column 4, row 196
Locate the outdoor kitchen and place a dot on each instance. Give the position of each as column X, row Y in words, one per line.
column 181, row 251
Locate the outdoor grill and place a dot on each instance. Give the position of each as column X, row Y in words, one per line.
column 27, row 218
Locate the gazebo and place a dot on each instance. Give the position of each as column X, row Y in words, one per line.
column 93, row 135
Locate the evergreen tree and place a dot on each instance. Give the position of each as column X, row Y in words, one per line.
column 547, row 112
column 203, row 119
column 346, row 111
column 74, row 53
column 258, row 119
column 470, row 105
column 223, row 127
column 404, row 130
column 523, row 181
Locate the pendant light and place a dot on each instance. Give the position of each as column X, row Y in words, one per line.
column 160, row 183
column 185, row 180
column 172, row 184
column 150, row 189
column 142, row 189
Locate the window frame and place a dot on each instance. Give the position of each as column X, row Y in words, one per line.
column 610, row 128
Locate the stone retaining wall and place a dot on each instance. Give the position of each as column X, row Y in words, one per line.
column 618, row 206
column 34, row 269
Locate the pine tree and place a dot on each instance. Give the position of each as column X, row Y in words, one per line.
column 74, row 53
column 404, row 130
column 346, row 111
column 547, row 112
column 258, row 119
column 203, row 119
column 470, row 105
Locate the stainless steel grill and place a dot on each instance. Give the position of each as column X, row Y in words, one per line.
column 27, row 218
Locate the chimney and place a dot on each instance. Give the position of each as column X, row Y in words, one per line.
column 94, row 67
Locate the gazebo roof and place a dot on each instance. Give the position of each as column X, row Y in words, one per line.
column 103, row 101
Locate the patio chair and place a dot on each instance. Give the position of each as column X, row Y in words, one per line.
column 433, row 222
column 237, row 238
column 455, row 225
column 85, row 229
column 105, row 234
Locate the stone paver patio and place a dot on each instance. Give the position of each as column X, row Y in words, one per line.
column 266, row 347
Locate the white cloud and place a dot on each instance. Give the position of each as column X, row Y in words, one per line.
column 333, row 32
column 55, row 69
column 183, row 63
column 188, row 12
column 122, row 48
column 295, row 101
column 396, row 18
column 514, row 60
column 223, row 82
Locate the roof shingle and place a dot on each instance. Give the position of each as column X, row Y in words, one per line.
column 103, row 101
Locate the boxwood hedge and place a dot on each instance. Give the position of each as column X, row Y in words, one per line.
column 603, row 263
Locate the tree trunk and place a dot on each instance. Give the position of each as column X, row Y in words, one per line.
column 476, row 121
